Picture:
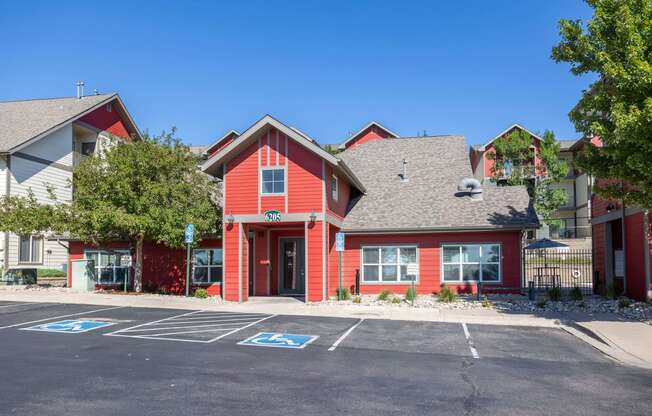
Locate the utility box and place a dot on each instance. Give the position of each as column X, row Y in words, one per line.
column 83, row 275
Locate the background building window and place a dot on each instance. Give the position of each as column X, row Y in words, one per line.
column 335, row 188
column 471, row 263
column 87, row 149
column 111, row 267
column 30, row 249
column 207, row 266
column 387, row 263
column 273, row 181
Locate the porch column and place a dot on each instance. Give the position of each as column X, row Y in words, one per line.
column 314, row 261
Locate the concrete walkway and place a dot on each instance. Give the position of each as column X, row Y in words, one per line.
column 626, row 341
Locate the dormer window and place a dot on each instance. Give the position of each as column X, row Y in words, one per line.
column 335, row 188
column 272, row 181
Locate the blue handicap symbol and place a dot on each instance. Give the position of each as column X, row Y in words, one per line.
column 70, row 326
column 279, row 340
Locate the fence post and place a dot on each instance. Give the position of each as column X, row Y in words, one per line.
column 530, row 290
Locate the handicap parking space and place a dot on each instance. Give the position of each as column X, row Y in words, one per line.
column 195, row 326
column 326, row 330
column 24, row 314
column 508, row 342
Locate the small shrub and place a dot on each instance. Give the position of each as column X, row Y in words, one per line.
column 575, row 294
column 410, row 294
column 356, row 299
column 150, row 287
column 384, row 295
column 50, row 273
column 201, row 293
column 542, row 303
column 624, row 302
column 396, row 299
column 343, row 293
column 554, row 294
column 447, row 295
column 609, row 292
column 486, row 303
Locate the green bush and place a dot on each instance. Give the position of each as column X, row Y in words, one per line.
column 410, row 294
column 50, row 273
column 201, row 293
column 486, row 303
column 384, row 295
column 447, row 295
column 554, row 294
column 575, row 294
column 624, row 302
column 542, row 303
column 342, row 293
column 396, row 299
column 356, row 299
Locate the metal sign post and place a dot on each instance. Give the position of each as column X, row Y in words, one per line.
column 125, row 260
column 339, row 247
column 413, row 271
column 190, row 231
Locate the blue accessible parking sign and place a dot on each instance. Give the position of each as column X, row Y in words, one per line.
column 70, row 326
column 278, row 340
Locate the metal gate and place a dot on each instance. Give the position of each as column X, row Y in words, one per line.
column 566, row 269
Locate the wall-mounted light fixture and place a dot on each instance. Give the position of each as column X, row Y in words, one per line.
column 230, row 219
column 610, row 207
column 313, row 217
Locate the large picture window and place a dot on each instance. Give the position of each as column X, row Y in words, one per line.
column 387, row 264
column 471, row 263
column 111, row 267
column 30, row 249
column 207, row 265
column 272, row 181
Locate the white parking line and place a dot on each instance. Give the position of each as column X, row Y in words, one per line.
column 153, row 322
column 467, row 334
column 60, row 316
column 344, row 335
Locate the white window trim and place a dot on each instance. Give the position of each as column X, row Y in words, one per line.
column 41, row 250
column 97, row 266
column 461, row 281
column 208, row 266
column 335, row 193
column 260, row 180
column 398, row 270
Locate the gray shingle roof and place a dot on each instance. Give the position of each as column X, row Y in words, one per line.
column 429, row 199
column 21, row 121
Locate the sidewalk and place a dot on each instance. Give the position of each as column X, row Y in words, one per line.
column 628, row 342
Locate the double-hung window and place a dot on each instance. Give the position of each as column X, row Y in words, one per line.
column 272, row 181
column 335, row 188
column 207, row 265
column 387, row 264
column 111, row 267
column 30, row 249
column 471, row 263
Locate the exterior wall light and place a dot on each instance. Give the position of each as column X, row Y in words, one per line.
column 230, row 219
column 313, row 217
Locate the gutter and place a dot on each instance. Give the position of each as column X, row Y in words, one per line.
column 428, row 230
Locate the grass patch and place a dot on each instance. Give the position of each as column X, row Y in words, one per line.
column 486, row 303
column 384, row 295
column 201, row 293
column 50, row 273
column 410, row 294
column 447, row 295
column 343, row 293
column 396, row 299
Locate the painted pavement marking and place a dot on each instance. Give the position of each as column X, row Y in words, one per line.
column 52, row 318
column 279, row 340
column 69, row 326
column 467, row 334
column 344, row 335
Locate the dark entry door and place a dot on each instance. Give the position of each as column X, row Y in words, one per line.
column 293, row 266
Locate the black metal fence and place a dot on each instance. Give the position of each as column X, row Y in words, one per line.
column 565, row 269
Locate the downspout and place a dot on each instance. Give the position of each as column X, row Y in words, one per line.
column 623, row 217
column 7, row 193
column 646, row 252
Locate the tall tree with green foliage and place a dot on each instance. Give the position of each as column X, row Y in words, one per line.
column 514, row 164
column 147, row 190
column 615, row 45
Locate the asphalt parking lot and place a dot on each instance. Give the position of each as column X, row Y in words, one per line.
column 81, row 359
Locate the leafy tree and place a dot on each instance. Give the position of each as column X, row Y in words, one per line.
column 615, row 45
column 333, row 150
column 142, row 191
column 514, row 165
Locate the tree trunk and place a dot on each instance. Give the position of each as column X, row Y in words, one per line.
column 138, row 267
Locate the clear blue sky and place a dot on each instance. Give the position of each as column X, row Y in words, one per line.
column 327, row 68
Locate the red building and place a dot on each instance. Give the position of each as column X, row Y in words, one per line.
column 396, row 200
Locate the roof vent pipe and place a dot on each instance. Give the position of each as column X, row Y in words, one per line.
column 80, row 89
column 472, row 186
column 403, row 174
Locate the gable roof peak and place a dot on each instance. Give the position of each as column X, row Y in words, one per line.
column 362, row 130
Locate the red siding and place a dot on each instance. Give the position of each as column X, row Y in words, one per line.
column 338, row 207
column 107, row 121
column 599, row 251
column 314, row 259
column 221, row 144
column 429, row 247
column 370, row 134
column 242, row 183
column 231, row 265
column 489, row 164
column 304, row 179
